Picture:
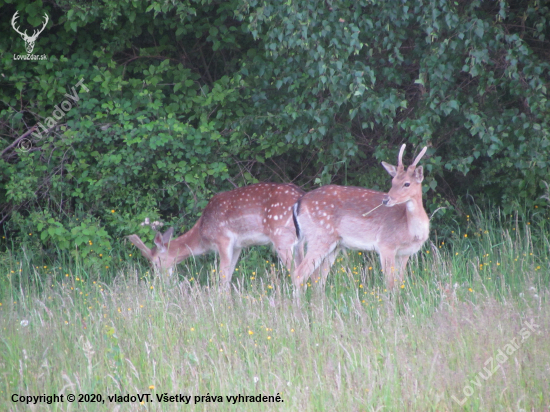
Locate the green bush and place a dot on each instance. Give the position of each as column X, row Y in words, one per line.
column 149, row 108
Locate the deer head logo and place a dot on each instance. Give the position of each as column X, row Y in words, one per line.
column 29, row 40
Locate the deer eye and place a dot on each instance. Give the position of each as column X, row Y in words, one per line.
column 406, row 184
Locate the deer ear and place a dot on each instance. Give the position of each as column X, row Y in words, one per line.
column 167, row 236
column 145, row 251
column 162, row 240
column 391, row 169
column 419, row 174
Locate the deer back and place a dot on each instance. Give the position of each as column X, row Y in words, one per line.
column 337, row 213
column 252, row 213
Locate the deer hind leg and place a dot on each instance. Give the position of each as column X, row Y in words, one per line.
column 316, row 254
column 324, row 269
column 298, row 250
column 290, row 253
column 320, row 274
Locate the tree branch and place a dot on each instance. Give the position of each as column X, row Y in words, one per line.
column 28, row 132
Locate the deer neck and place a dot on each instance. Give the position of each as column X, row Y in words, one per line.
column 188, row 244
column 417, row 220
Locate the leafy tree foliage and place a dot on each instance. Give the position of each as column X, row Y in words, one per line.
column 354, row 79
column 173, row 101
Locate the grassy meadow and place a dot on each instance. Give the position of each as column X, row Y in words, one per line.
column 468, row 330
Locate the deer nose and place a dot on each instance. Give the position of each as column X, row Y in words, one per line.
column 385, row 201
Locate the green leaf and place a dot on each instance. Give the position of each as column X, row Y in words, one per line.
column 479, row 31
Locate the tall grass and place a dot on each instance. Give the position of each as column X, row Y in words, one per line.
column 353, row 347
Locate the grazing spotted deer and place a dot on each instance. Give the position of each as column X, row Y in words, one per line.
column 333, row 217
column 258, row 214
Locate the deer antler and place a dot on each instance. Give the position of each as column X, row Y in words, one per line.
column 14, row 18
column 400, row 156
column 36, row 32
column 419, row 156
column 25, row 36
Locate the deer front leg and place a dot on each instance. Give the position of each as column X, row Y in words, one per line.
column 387, row 260
column 229, row 255
column 401, row 263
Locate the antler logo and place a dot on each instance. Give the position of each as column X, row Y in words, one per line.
column 29, row 40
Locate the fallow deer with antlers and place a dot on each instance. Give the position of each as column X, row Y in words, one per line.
column 258, row 214
column 394, row 224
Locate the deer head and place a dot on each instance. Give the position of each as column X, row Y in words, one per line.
column 406, row 183
column 29, row 40
column 158, row 255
